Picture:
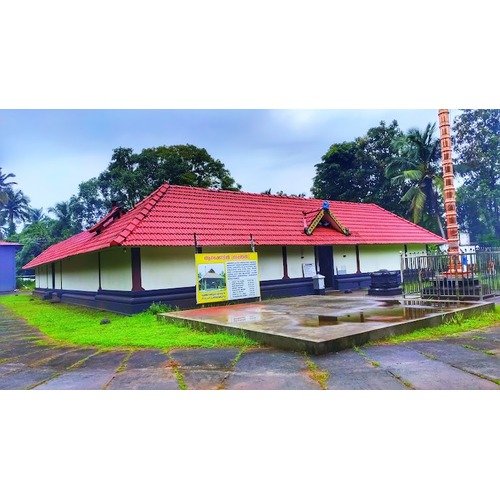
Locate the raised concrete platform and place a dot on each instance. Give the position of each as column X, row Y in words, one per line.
column 321, row 324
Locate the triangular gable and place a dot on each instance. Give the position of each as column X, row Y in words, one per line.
column 325, row 214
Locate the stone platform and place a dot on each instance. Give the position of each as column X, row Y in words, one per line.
column 322, row 324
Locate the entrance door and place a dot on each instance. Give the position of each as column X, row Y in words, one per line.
column 325, row 260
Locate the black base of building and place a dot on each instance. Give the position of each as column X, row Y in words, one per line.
column 183, row 298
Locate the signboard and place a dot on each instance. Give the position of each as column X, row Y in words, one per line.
column 226, row 276
column 308, row 270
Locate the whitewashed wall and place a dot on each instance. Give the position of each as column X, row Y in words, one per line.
column 116, row 269
column 57, row 266
column 270, row 263
column 375, row 257
column 167, row 267
column 41, row 277
column 296, row 256
column 81, row 273
column 344, row 258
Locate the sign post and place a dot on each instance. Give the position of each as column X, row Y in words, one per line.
column 226, row 276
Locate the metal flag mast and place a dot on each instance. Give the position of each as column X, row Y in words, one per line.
column 450, row 205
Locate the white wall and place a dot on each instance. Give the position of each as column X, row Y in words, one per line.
column 116, row 269
column 296, row 256
column 167, row 267
column 81, row 273
column 376, row 257
column 344, row 256
column 270, row 263
column 41, row 279
column 57, row 266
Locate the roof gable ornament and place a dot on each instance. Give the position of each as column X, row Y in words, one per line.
column 115, row 213
column 324, row 216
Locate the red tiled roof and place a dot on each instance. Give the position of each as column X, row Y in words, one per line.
column 171, row 215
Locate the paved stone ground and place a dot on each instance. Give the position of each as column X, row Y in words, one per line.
column 469, row 362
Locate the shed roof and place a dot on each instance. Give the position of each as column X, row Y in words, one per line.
column 10, row 244
column 173, row 215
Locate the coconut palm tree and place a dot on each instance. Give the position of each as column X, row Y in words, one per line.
column 16, row 209
column 37, row 215
column 5, row 186
column 417, row 168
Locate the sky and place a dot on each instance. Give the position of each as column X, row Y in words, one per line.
column 52, row 151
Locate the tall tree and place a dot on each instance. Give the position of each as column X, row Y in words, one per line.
column 355, row 170
column 16, row 209
column 5, row 185
column 416, row 168
column 477, row 149
column 130, row 176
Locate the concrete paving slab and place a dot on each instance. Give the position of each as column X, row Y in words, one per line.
column 269, row 362
column 38, row 356
column 422, row 372
column 6, row 368
column 477, row 362
column 321, row 324
column 144, row 378
column 26, row 378
column 270, row 381
column 69, row 358
column 349, row 370
column 205, row 358
column 79, row 379
column 147, row 359
column 204, row 379
column 107, row 360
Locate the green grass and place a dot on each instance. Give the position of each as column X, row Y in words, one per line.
column 318, row 375
column 452, row 328
column 81, row 326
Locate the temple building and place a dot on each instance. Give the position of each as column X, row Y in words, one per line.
column 130, row 259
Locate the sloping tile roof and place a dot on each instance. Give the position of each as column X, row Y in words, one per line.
column 172, row 215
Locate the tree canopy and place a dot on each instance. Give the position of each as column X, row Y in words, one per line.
column 476, row 144
column 355, row 170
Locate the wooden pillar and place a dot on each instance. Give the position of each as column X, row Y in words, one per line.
column 358, row 264
column 285, row 263
column 60, row 272
column 136, row 270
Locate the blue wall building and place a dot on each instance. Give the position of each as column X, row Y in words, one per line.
column 8, row 265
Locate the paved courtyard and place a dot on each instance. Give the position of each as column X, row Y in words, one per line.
column 469, row 362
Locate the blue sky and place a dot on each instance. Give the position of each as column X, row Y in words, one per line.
column 52, row 151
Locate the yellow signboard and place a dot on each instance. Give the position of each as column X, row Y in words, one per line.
column 226, row 276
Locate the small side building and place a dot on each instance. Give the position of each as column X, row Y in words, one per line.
column 8, row 265
column 130, row 259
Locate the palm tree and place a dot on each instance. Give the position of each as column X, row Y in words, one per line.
column 37, row 215
column 5, row 186
column 416, row 167
column 16, row 209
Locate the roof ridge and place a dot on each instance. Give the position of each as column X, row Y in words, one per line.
column 148, row 203
column 264, row 195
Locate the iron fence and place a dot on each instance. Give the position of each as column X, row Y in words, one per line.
column 468, row 276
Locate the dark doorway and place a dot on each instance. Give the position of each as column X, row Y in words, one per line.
column 325, row 260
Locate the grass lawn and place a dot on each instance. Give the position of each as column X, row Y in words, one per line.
column 453, row 328
column 81, row 326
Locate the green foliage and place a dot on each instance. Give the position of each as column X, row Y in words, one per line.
column 477, row 148
column 355, row 171
column 159, row 307
column 415, row 167
column 80, row 326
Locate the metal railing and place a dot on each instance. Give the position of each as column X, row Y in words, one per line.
column 468, row 276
